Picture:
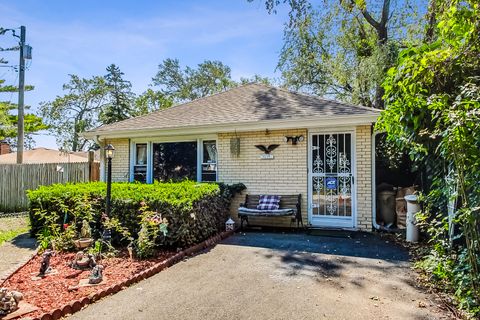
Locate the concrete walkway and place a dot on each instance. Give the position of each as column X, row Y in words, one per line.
column 279, row 276
column 15, row 252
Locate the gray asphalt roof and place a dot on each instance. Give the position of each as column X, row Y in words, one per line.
column 248, row 103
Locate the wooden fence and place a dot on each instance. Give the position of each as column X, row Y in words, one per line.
column 15, row 179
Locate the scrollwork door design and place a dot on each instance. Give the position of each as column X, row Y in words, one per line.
column 331, row 175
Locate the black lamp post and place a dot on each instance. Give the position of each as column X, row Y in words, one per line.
column 109, row 153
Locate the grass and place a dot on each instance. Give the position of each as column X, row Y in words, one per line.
column 12, row 227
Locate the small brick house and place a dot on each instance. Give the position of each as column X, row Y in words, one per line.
column 324, row 150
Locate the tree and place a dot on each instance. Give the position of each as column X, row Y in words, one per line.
column 150, row 101
column 343, row 48
column 433, row 112
column 76, row 111
column 9, row 121
column 257, row 79
column 120, row 98
column 189, row 84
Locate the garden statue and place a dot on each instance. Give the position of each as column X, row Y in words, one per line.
column 86, row 231
column 45, row 266
column 96, row 276
column 9, row 301
column 130, row 250
column 85, row 236
column 83, row 261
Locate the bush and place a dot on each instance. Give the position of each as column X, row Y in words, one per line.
column 193, row 211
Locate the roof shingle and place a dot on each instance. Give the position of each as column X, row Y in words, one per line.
column 248, row 103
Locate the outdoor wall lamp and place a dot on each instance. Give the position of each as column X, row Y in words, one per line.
column 109, row 153
column 294, row 139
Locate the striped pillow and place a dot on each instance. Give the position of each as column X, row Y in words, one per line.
column 268, row 202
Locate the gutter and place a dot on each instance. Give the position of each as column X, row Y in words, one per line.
column 314, row 122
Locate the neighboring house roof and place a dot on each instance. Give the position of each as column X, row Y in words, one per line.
column 237, row 108
column 44, row 155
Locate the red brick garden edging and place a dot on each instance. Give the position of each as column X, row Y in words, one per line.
column 77, row 305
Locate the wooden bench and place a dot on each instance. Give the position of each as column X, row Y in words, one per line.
column 290, row 205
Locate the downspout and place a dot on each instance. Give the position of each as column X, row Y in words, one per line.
column 374, row 186
column 102, row 158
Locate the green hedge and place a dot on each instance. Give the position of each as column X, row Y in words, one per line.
column 194, row 211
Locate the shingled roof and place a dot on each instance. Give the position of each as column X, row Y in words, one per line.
column 244, row 104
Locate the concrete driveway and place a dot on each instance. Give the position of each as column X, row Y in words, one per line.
column 279, row 276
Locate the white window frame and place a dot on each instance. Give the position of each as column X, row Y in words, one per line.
column 151, row 141
column 200, row 162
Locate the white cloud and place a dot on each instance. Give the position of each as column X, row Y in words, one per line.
column 247, row 40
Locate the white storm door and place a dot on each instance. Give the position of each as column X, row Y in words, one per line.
column 331, row 194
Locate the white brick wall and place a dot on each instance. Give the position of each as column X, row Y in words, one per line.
column 121, row 160
column 287, row 173
column 364, row 177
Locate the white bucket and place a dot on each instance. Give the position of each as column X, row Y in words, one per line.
column 412, row 208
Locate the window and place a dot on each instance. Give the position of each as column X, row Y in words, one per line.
column 195, row 160
column 140, row 166
column 175, row 161
column 209, row 160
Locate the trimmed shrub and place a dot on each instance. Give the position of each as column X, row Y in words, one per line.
column 194, row 211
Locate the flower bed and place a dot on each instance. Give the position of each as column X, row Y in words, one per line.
column 53, row 292
column 56, row 295
column 150, row 222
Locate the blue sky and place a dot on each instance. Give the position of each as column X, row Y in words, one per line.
column 83, row 37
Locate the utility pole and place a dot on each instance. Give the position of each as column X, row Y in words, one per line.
column 21, row 93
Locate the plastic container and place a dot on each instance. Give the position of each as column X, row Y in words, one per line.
column 386, row 206
column 412, row 208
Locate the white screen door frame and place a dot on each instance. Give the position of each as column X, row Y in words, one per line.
column 334, row 213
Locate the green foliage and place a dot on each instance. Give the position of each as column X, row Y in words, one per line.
column 190, row 212
column 76, row 111
column 151, row 101
column 189, row 84
column 257, row 79
column 8, row 121
column 120, row 98
column 152, row 224
column 433, row 112
column 343, row 48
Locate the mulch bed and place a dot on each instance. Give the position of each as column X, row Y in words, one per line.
column 55, row 290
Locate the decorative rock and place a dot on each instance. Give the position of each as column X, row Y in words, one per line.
column 9, row 301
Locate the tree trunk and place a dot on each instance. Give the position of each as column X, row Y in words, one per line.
column 432, row 21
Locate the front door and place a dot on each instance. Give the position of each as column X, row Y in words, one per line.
column 331, row 194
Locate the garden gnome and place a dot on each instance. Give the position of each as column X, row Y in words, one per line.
column 96, row 276
column 45, row 266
